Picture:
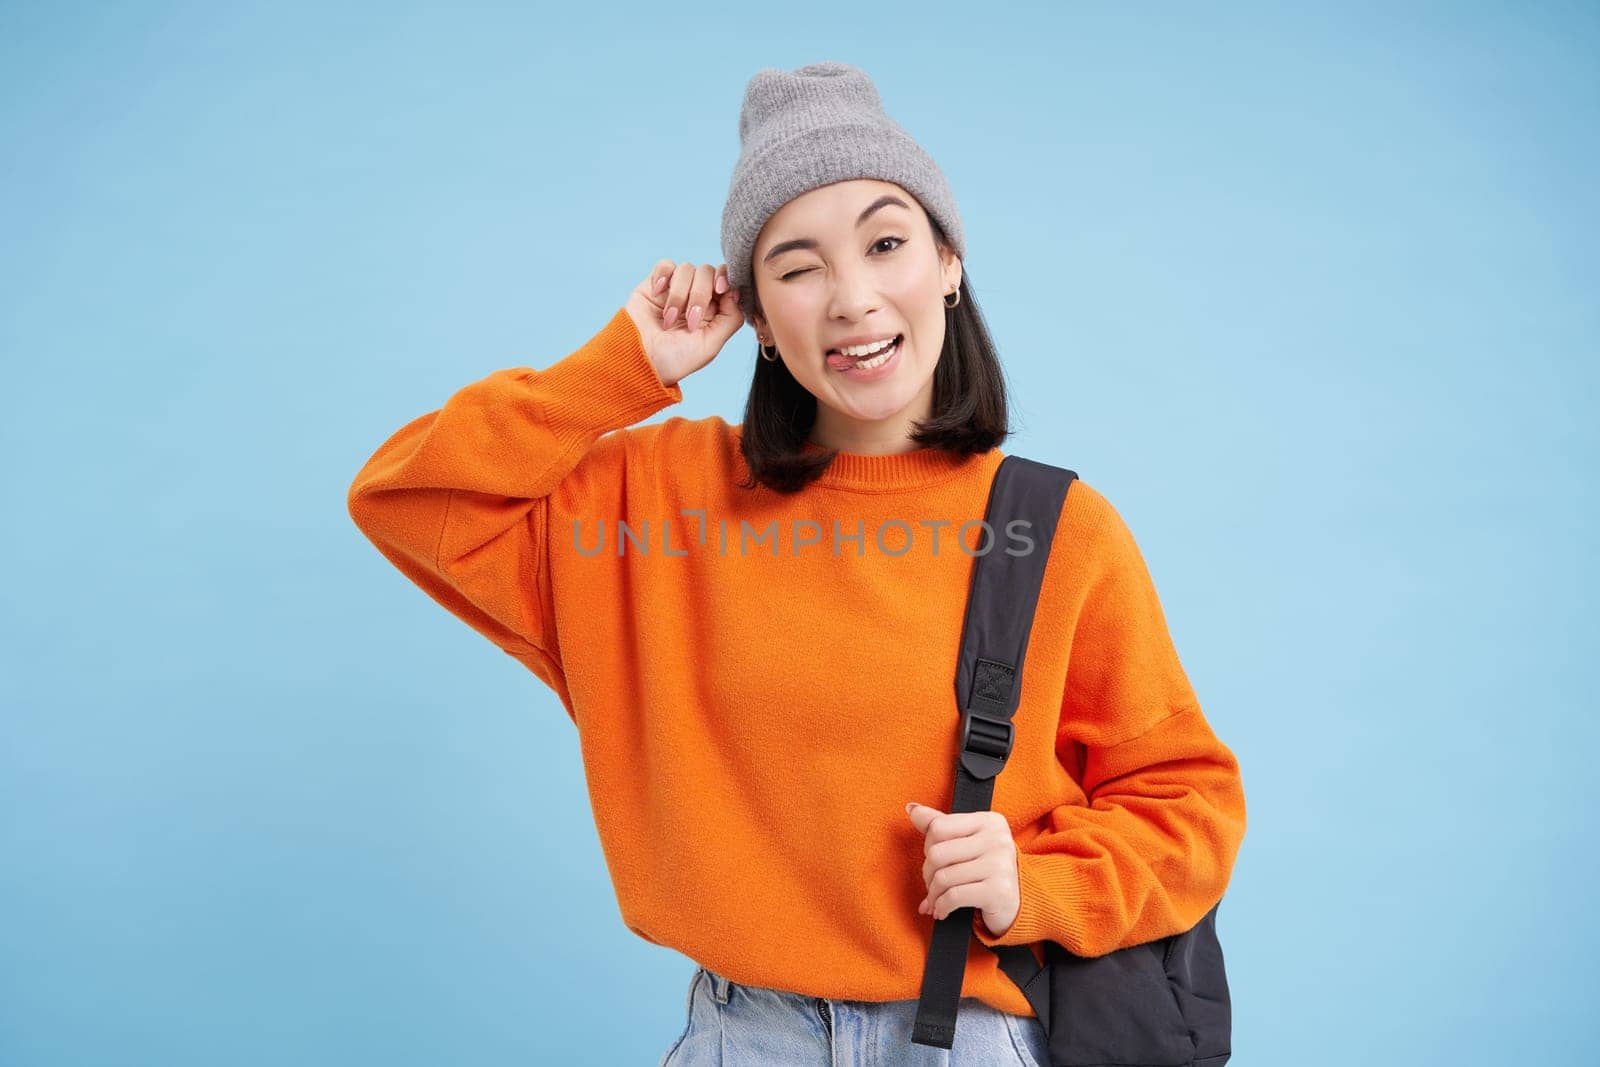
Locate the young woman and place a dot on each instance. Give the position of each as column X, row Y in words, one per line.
column 754, row 627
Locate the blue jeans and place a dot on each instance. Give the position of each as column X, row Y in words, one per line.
column 733, row 1025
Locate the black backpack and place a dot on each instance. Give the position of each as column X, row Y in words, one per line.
column 1163, row 1003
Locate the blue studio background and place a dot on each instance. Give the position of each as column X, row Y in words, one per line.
column 1308, row 295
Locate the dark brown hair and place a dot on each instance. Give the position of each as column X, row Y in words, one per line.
column 968, row 412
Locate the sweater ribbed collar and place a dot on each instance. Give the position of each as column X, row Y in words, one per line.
column 893, row 471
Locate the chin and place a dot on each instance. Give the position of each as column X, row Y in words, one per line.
column 877, row 412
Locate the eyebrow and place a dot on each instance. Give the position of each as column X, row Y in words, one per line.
column 807, row 242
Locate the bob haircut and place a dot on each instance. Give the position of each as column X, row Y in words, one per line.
column 968, row 412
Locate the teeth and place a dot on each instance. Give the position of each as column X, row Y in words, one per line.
column 862, row 350
column 875, row 361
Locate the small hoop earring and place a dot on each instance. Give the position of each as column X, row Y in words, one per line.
column 958, row 299
column 772, row 358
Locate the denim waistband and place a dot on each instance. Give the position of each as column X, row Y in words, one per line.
column 719, row 985
column 786, row 1026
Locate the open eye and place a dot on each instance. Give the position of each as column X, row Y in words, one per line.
column 898, row 241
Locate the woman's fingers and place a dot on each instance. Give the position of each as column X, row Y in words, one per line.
column 677, row 294
column 656, row 284
column 723, row 316
column 698, row 302
column 698, row 296
column 686, row 292
column 728, row 302
column 726, row 316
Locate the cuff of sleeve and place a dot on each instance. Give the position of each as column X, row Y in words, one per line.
column 1054, row 895
column 608, row 383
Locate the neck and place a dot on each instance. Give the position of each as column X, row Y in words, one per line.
column 883, row 437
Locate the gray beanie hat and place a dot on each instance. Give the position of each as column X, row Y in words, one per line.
column 816, row 125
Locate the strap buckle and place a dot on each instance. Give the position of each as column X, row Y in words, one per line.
column 985, row 743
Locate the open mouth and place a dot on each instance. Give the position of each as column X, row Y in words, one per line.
column 876, row 358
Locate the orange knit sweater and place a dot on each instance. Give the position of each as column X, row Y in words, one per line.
column 761, row 682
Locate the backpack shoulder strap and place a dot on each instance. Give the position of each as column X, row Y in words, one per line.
column 1001, row 599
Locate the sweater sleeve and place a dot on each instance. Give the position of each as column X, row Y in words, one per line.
column 1153, row 849
column 457, row 499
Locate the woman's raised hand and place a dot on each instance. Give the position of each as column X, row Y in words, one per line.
column 685, row 315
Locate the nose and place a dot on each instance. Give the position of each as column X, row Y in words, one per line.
column 854, row 294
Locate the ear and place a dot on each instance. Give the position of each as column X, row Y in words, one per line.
column 951, row 269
